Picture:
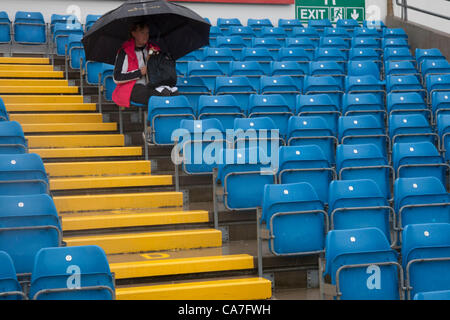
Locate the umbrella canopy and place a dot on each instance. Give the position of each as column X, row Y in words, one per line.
column 174, row 28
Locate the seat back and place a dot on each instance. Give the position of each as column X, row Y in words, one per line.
column 10, row 288
column 224, row 108
column 12, row 139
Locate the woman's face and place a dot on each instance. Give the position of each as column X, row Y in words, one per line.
column 141, row 36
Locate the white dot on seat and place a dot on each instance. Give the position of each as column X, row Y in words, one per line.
column 356, row 99
column 230, row 81
column 68, row 257
column 415, row 185
column 198, row 126
column 13, row 162
column 275, row 81
column 283, row 66
column 20, row 204
column 411, row 149
column 311, row 100
column 216, row 101
column 254, row 52
column 350, row 188
column 352, row 239
column 426, row 233
column 290, row 52
column 446, row 97
column 264, row 100
column 286, row 191
column 305, row 123
column 402, row 98
column 297, row 152
column 252, row 124
column 405, row 120
column 355, row 150
column 239, row 155
column 202, row 66
column 355, row 121
column 167, row 101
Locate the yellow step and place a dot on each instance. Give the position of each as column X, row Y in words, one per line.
column 117, row 201
column 31, row 74
column 63, row 107
column 72, row 221
column 109, row 182
column 24, row 60
column 33, row 82
column 151, row 268
column 25, row 67
column 69, row 127
column 26, row 99
column 36, row 89
column 150, row 241
column 97, row 168
column 48, row 153
column 57, row 118
column 70, row 141
column 227, row 289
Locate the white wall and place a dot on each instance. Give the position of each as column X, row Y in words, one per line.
column 376, row 9
column 438, row 6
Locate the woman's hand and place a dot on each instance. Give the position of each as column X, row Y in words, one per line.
column 143, row 70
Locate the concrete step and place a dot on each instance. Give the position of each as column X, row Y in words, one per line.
column 97, row 168
column 50, row 107
column 69, row 127
column 75, row 141
column 24, row 60
column 28, row 74
column 47, row 118
column 80, row 153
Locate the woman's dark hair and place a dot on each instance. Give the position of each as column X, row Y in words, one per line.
column 137, row 25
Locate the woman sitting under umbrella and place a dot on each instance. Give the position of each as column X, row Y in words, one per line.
column 131, row 72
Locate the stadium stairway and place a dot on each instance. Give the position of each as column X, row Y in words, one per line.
column 108, row 196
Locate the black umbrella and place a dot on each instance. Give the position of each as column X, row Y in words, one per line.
column 174, row 28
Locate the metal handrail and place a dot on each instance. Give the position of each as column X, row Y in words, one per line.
column 404, row 5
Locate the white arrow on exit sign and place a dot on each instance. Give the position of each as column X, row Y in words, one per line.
column 355, row 14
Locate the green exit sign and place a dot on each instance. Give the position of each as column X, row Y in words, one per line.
column 333, row 10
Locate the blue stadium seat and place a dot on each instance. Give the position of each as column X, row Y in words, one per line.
column 443, row 130
column 320, row 104
column 238, row 86
column 363, row 129
column 90, row 20
column 426, row 258
column 22, row 174
column 366, row 43
column 411, row 128
column 348, row 24
column 407, row 103
column 362, row 265
column 320, row 24
column 433, row 295
column 61, row 34
column 12, row 139
column 201, row 144
column 206, row 70
column 245, row 32
column 306, row 163
column 260, row 132
column 332, row 42
column 251, row 69
column 398, row 54
column 337, row 33
column 365, row 84
column 420, row 200
column 223, row 56
column 295, row 217
column 330, row 54
column 435, row 67
column 406, row 83
column 364, row 160
column 224, row 108
column 240, row 175
column 365, row 54
column 5, row 28
column 226, row 23
column 280, row 84
column 368, row 33
column 426, row 54
column 363, row 68
column 274, row 32
column 357, row 204
column 294, row 54
column 328, row 68
column 324, row 84
column 192, row 89
column 436, row 83
column 72, row 273
column 165, row 115
column 27, row 224
column 214, row 32
column 306, row 33
column 394, row 33
column 401, row 68
column 4, row 116
column 289, row 24
column 258, row 24
column 297, row 71
column 63, row 19
column 441, row 103
column 235, row 42
column 181, row 63
column 274, row 106
column 418, row 159
column 75, row 52
column 272, row 44
column 312, row 130
column 30, row 28
column 261, row 55
column 10, row 288
column 303, row 43
column 363, row 103
column 374, row 24
column 94, row 70
column 394, row 43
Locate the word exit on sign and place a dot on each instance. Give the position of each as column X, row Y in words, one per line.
column 333, row 10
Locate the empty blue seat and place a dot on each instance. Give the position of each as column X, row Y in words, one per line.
column 398, row 54
column 201, row 142
column 303, row 43
column 294, row 54
column 363, row 129
column 420, row 200
column 94, row 71
column 320, row 24
column 328, row 68
column 289, row 24
column 394, row 33
column 440, row 103
column 411, row 128
column 258, row 132
column 366, row 43
column 181, row 63
column 407, row 103
column 295, row 217
column 261, row 55
column 5, row 28
column 242, row 179
column 364, row 160
column 363, row 68
column 280, row 84
column 366, row 33
column 192, row 88
column 272, row 44
column 312, row 130
column 273, row 106
column 306, row 163
column 435, row 67
column 405, row 83
column 394, row 43
column 75, row 51
column 29, row 28
column 337, row 33
column 165, row 115
column 214, row 32
column 10, row 288
column 226, row 23
column 12, row 139
column 323, row 84
column 306, row 33
column 72, row 273
column 238, row 86
column 4, row 116
column 22, row 174
column 62, row 18
column 426, row 258
column 250, row 69
column 425, row 54
column 359, row 203
column 365, row 54
column 332, row 42
column 363, row 103
column 435, row 83
column 222, row 56
column 322, row 105
column 206, row 70
column 27, row 224
column 443, row 130
column 433, row 295
column 365, row 84
column 245, row 32
column 258, row 24
column 418, row 159
column 61, row 34
column 235, row 42
column 347, row 24
column 224, row 108
column 297, row 71
column 90, row 20
column 362, row 265
column 273, row 32
column 330, row 54
column 400, row 68
column 374, row 24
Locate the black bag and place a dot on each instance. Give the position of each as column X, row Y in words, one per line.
column 161, row 70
